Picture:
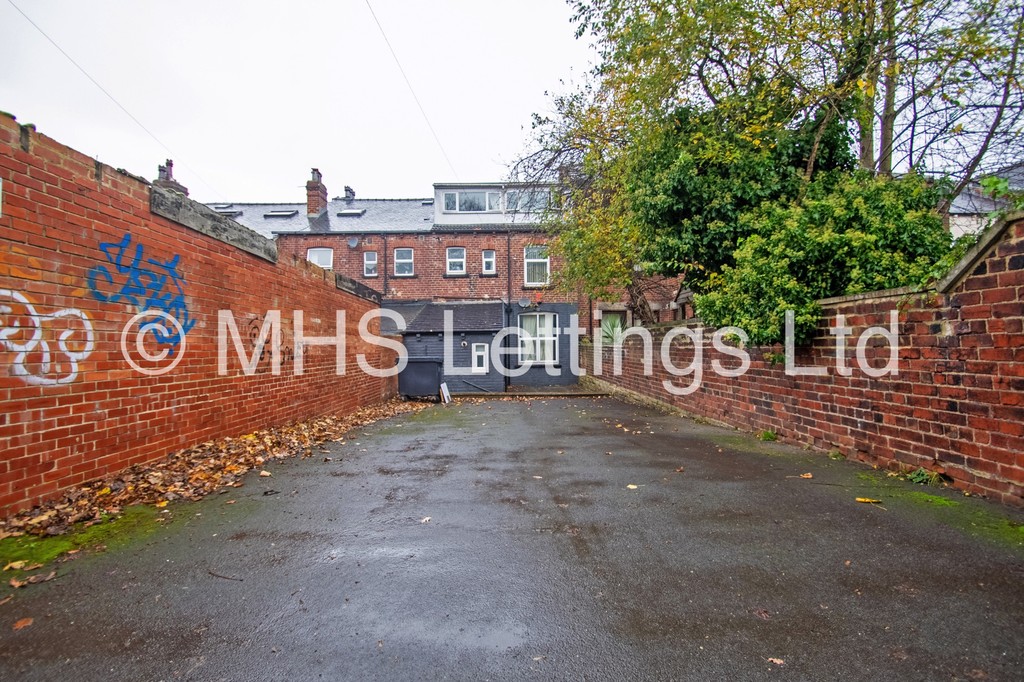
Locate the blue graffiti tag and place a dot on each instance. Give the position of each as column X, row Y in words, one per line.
column 156, row 288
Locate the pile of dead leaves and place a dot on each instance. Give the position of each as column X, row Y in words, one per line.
column 194, row 472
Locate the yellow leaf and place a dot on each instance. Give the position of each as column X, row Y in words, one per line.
column 14, row 566
column 104, row 491
column 631, row 486
column 868, row 500
column 266, row 474
column 161, row 503
column 807, row 475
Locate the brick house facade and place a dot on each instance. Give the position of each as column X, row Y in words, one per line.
column 468, row 243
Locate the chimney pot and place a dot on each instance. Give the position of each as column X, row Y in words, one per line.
column 350, row 194
column 165, row 178
column 316, row 195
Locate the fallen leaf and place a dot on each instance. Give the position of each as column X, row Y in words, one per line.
column 539, row 658
column 777, row 661
column 266, row 474
column 6, row 599
column 161, row 503
column 679, row 470
column 763, row 614
column 23, row 623
column 631, row 486
column 807, row 475
column 32, row 567
column 230, row 502
column 425, row 519
column 14, row 566
column 34, row 579
column 868, row 500
column 540, row 477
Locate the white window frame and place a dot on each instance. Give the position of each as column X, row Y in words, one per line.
column 449, row 259
column 492, row 200
column 525, row 340
column 367, row 262
column 321, row 250
column 480, row 359
column 528, row 196
column 411, row 261
column 492, row 259
column 526, row 266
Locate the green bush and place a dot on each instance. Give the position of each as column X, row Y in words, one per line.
column 862, row 234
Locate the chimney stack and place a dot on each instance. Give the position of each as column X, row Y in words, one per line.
column 350, row 194
column 165, row 179
column 316, row 196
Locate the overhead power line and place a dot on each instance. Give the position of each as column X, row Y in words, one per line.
column 412, row 90
column 112, row 98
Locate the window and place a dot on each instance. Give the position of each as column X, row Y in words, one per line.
column 489, row 265
column 539, row 340
column 535, row 264
column 322, row 257
column 477, row 201
column 527, row 200
column 479, row 358
column 369, row 263
column 403, row 263
column 456, row 261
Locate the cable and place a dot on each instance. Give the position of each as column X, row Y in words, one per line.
column 111, row 97
column 413, row 92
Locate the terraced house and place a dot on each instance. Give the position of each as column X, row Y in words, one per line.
column 475, row 249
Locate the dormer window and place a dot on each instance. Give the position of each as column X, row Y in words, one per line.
column 527, row 200
column 473, row 201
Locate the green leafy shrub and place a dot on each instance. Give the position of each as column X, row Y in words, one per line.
column 861, row 234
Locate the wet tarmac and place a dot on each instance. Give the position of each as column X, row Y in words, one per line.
column 555, row 539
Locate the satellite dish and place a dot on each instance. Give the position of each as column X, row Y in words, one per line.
column 353, row 242
column 524, row 302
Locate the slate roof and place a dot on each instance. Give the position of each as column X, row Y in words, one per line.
column 379, row 215
column 408, row 311
column 468, row 316
column 972, row 201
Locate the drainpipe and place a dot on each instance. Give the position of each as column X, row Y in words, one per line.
column 508, row 309
column 385, row 266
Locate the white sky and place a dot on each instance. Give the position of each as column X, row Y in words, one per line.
column 249, row 94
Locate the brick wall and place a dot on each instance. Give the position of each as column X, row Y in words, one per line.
column 81, row 252
column 956, row 405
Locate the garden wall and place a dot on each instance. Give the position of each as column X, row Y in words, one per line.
column 956, row 405
column 84, row 248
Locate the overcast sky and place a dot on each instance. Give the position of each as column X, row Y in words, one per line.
column 247, row 95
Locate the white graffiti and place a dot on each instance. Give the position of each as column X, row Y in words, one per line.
column 23, row 331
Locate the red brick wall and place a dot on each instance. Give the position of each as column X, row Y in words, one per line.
column 956, row 405
column 66, row 424
column 430, row 264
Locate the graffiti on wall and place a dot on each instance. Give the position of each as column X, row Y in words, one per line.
column 286, row 351
column 146, row 284
column 30, row 334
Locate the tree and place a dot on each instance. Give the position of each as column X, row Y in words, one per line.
column 703, row 114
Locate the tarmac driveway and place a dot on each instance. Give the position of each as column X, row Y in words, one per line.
column 505, row 540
